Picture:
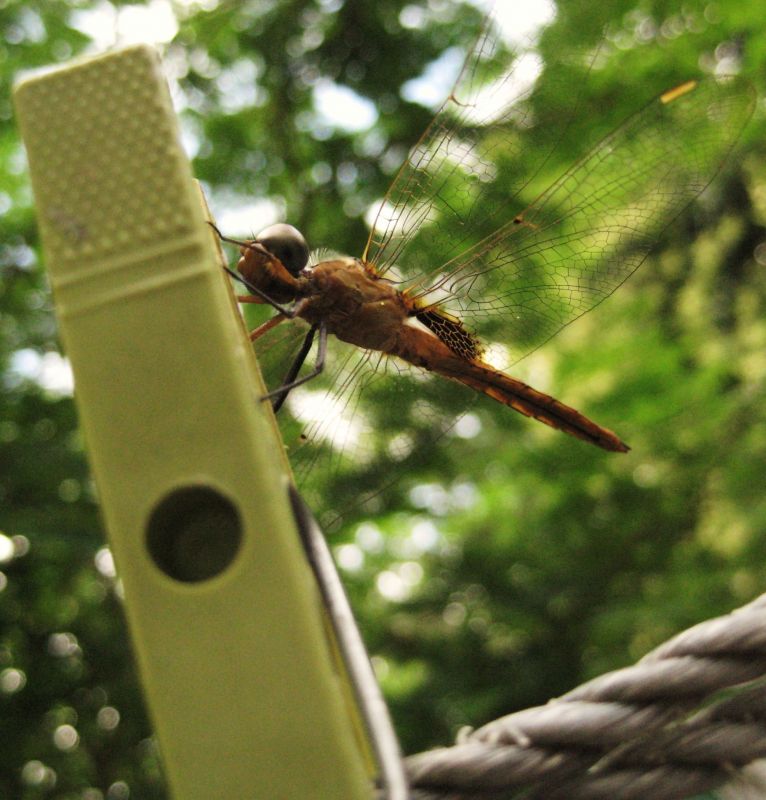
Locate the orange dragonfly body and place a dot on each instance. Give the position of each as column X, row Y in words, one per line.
column 479, row 254
column 349, row 299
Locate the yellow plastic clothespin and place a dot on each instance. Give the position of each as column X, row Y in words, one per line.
column 251, row 692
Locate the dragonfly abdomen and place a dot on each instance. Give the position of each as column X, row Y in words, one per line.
column 425, row 350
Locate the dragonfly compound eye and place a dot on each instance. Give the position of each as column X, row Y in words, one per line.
column 287, row 244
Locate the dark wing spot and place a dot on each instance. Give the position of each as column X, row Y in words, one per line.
column 451, row 331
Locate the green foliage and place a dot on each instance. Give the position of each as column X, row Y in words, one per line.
column 502, row 565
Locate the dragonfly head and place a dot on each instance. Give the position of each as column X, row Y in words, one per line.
column 287, row 244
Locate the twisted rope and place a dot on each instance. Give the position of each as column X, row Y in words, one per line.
column 685, row 719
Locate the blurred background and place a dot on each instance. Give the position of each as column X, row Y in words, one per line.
column 505, row 564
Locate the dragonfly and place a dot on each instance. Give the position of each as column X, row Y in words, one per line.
column 461, row 277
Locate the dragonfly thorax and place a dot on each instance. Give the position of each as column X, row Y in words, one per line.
column 355, row 305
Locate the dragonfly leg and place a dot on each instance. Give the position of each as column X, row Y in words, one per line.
column 278, row 400
column 265, row 327
column 255, row 291
column 279, row 395
column 238, row 242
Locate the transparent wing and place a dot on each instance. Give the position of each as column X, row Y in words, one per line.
column 475, row 222
column 351, row 432
column 474, row 146
column 582, row 237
